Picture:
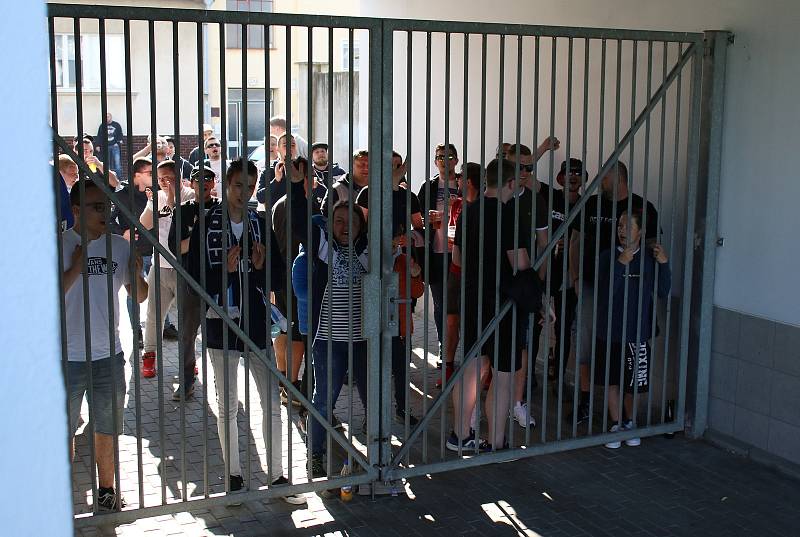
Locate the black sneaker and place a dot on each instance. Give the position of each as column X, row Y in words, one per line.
column 317, row 467
column 107, row 499
column 583, row 413
column 236, row 483
column 170, row 332
column 188, row 393
column 401, row 417
column 467, row 444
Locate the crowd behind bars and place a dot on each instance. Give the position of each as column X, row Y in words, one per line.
column 228, row 247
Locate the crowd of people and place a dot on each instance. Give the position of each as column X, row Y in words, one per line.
column 467, row 228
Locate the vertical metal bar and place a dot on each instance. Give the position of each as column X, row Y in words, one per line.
column 245, row 262
column 531, row 320
column 225, row 246
column 517, row 140
column 287, row 283
column 409, row 239
column 270, row 351
column 678, row 87
column 459, row 412
column 428, row 248
column 531, row 359
column 84, row 260
column 112, row 321
column 202, row 223
column 700, row 107
column 593, row 343
column 445, row 222
column 642, row 237
column 659, row 221
column 177, row 216
column 134, row 293
column 57, row 201
column 498, row 249
column 308, row 371
column 706, row 192
column 155, row 266
column 350, row 202
column 329, row 333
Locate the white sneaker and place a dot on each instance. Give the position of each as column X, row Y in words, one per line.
column 616, row 444
column 633, row 442
column 522, row 416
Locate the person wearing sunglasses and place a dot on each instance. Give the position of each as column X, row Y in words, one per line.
column 214, row 160
column 202, row 178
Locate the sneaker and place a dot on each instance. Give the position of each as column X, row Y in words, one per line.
column 615, row 444
column 170, row 332
column 107, row 499
column 522, row 416
column 187, row 393
column 236, row 483
column 317, row 467
column 632, row 442
column 294, row 499
column 401, row 417
column 149, row 365
column 468, row 444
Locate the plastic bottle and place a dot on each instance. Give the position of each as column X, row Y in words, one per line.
column 346, row 492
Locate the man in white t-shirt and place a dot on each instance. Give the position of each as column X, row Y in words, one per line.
column 214, row 160
column 86, row 269
column 169, row 185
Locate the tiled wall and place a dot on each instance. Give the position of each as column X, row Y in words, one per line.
column 755, row 383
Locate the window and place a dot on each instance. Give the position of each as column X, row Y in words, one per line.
column 255, row 34
column 346, row 55
column 90, row 62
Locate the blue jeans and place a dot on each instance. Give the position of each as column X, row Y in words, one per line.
column 115, row 158
column 147, row 262
column 337, row 372
column 437, row 285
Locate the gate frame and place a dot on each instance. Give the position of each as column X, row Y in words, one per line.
column 707, row 51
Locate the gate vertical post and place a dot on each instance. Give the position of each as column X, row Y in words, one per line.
column 709, row 166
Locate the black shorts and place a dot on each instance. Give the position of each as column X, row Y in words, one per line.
column 280, row 303
column 640, row 364
column 509, row 344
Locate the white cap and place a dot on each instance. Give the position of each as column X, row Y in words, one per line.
column 207, row 127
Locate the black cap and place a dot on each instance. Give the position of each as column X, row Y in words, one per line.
column 575, row 167
column 319, row 145
column 87, row 137
column 205, row 170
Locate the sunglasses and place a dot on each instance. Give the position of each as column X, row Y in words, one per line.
column 213, row 145
column 206, row 179
column 98, row 207
column 449, row 157
column 527, row 167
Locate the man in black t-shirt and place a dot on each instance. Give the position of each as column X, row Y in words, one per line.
column 479, row 259
column 599, row 219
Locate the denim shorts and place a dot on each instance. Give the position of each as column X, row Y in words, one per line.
column 104, row 387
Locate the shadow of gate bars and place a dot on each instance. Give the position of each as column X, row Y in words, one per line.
column 607, row 95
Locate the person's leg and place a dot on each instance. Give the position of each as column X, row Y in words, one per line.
column 360, row 370
column 465, row 396
column 322, row 374
column 498, row 404
column 584, row 337
column 627, row 403
column 115, row 156
column 298, row 350
column 613, row 404
column 104, row 453
column 521, row 376
column 150, row 334
column 436, row 285
column 280, row 352
column 191, row 316
column 108, row 395
column 267, row 386
column 230, row 446
column 76, row 388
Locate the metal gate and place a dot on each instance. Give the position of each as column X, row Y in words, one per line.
column 611, row 95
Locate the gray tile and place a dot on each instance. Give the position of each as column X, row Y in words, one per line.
column 751, row 427
column 724, row 376
column 720, row 415
column 756, row 338
column 786, row 349
column 753, row 387
column 784, row 440
column 725, row 332
column 785, row 398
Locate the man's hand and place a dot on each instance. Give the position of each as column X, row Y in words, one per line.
column 295, row 175
column 259, row 255
column 551, row 143
column 627, row 255
column 399, row 172
column 127, row 235
column 280, row 169
column 233, row 258
column 149, row 193
column 660, row 254
column 138, row 264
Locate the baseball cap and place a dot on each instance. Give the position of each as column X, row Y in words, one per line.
column 575, row 167
column 205, row 170
column 319, row 145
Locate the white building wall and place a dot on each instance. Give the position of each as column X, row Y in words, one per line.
column 36, row 498
column 757, row 266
